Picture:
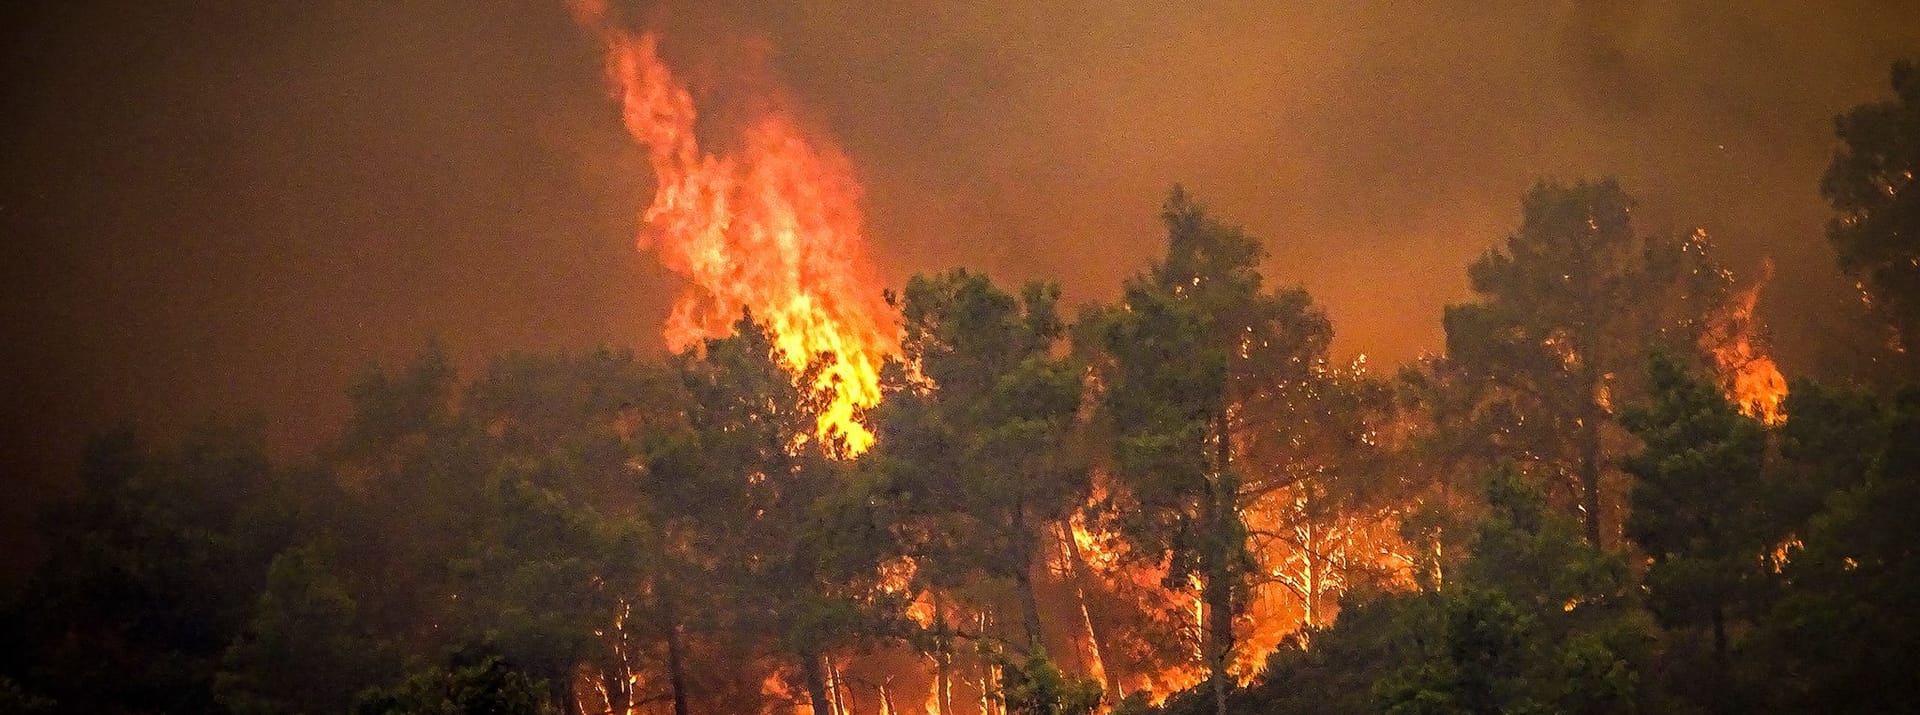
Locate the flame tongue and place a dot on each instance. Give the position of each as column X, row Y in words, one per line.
column 773, row 227
column 1748, row 375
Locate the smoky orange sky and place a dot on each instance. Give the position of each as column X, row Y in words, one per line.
column 216, row 208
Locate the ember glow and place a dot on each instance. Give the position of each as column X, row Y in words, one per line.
column 772, row 227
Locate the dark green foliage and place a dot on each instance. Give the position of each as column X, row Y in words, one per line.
column 1870, row 184
column 1474, row 665
column 1539, row 621
column 978, row 463
column 763, row 523
column 304, row 649
column 152, row 571
column 1035, row 686
column 14, row 699
column 1192, row 340
column 1567, row 307
column 1332, row 670
column 1830, row 445
column 1536, row 556
column 674, row 536
column 1698, row 505
column 1844, row 627
column 469, row 686
column 415, row 472
column 1533, row 620
column 540, row 577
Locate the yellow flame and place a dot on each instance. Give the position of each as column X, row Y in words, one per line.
column 773, row 226
column 1748, row 375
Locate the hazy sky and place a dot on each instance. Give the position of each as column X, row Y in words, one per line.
column 211, row 207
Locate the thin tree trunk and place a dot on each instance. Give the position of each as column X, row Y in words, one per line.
column 676, row 670
column 1217, row 593
column 1590, row 476
column 816, row 684
column 942, row 659
column 1312, row 601
column 1220, row 633
column 986, row 671
column 837, row 685
column 676, row 665
column 1081, row 576
column 1023, row 578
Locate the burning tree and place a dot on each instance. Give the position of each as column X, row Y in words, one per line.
column 774, row 227
column 977, row 464
column 1177, row 360
column 998, row 410
column 780, row 561
column 1569, row 307
column 1323, row 497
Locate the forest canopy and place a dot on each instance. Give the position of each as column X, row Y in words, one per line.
column 1603, row 498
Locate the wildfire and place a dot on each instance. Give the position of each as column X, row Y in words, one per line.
column 1748, row 375
column 773, row 227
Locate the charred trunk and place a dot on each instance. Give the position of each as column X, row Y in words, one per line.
column 676, row 652
column 1590, row 477
column 942, row 658
column 1083, row 577
column 1217, row 595
column 676, row 669
column 816, row 678
column 1218, row 553
column 1023, row 578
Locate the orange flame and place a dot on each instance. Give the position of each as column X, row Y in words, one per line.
column 773, row 227
column 1748, row 375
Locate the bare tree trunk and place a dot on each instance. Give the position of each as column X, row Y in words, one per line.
column 986, row 671
column 942, row 659
column 1023, row 577
column 1219, row 631
column 676, row 660
column 837, row 686
column 816, row 684
column 1217, row 592
column 1312, row 602
column 1590, row 476
column 944, row 694
column 1081, row 576
column 676, row 670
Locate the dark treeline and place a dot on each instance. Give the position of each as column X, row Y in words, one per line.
column 1580, row 508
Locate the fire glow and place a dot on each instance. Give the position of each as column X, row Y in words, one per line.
column 772, row 227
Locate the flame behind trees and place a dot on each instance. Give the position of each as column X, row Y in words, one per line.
column 1192, row 341
column 1242, row 484
column 1323, row 509
column 983, row 437
column 773, row 228
column 1569, row 308
column 1240, row 496
column 657, row 540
